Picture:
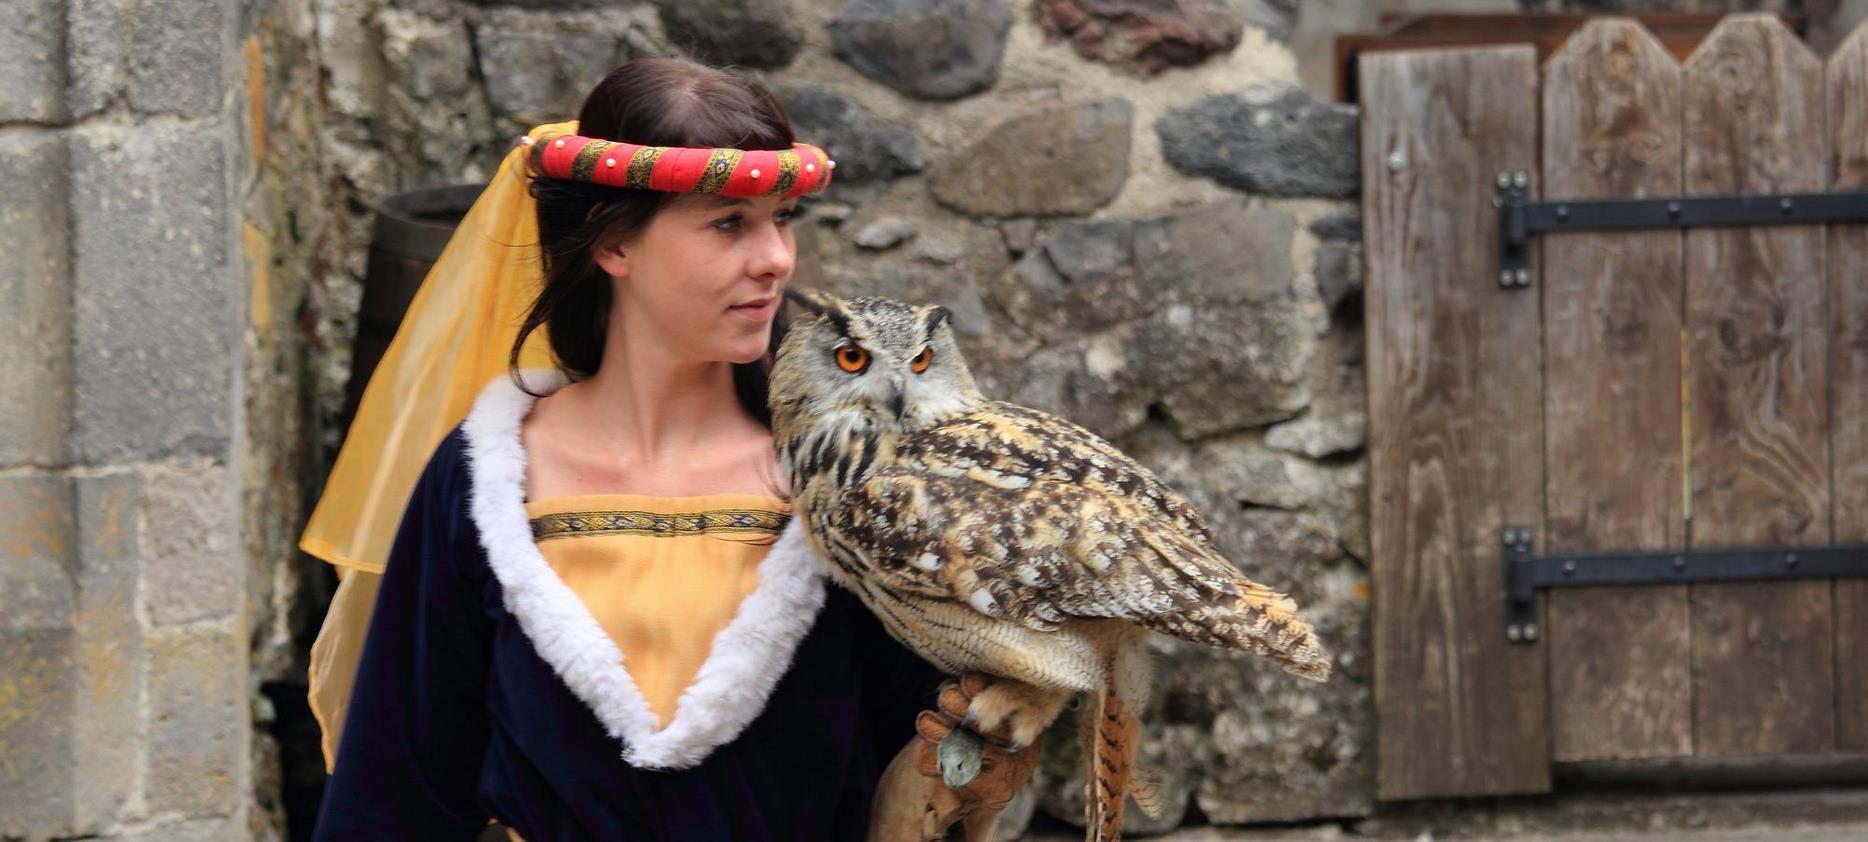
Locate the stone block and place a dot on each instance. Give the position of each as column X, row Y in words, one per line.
column 96, row 41
column 198, row 723
column 534, row 76
column 1290, row 144
column 38, row 532
column 191, row 830
column 932, row 49
column 866, row 149
column 36, row 698
column 750, row 33
column 156, row 306
column 1069, row 159
column 108, row 653
column 32, row 65
column 35, row 324
column 192, row 563
column 1142, row 39
column 175, row 58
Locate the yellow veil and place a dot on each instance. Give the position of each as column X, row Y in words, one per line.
column 455, row 339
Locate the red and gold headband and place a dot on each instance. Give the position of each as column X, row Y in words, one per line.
column 735, row 173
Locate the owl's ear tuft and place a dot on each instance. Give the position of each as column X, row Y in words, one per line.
column 820, row 303
column 934, row 316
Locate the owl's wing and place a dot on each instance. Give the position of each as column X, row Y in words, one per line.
column 1009, row 441
column 1040, row 552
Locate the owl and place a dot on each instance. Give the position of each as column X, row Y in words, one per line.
column 989, row 537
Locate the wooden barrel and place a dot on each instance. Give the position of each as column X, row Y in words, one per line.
column 408, row 235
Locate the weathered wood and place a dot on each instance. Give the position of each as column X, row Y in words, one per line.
column 1620, row 683
column 1757, row 382
column 1454, row 379
column 1847, row 87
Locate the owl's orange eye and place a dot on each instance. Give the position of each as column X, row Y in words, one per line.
column 852, row 358
column 921, row 360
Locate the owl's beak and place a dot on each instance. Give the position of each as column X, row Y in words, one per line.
column 897, row 398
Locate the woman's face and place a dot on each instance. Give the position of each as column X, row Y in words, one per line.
column 706, row 275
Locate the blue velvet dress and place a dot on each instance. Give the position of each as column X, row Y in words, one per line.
column 457, row 716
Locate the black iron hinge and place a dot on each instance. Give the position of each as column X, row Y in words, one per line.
column 1526, row 574
column 1519, row 217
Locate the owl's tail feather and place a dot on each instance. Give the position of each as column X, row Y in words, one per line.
column 1255, row 619
column 1110, row 727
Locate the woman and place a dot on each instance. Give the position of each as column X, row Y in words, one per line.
column 595, row 621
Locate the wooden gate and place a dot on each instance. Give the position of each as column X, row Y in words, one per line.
column 1661, row 389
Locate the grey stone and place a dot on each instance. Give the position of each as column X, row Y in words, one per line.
column 887, row 232
column 1019, row 235
column 1225, row 367
column 37, row 602
column 1339, row 272
column 109, row 662
column 1292, row 145
column 1142, row 38
column 156, row 307
column 1345, row 227
column 865, row 150
column 32, row 61
column 931, row 49
column 547, row 5
column 427, row 58
column 1221, row 252
column 35, row 732
column 175, row 58
column 1319, row 436
column 96, row 38
column 755, row 33
column 1087, row 381
column 1081, row 280
column 1070, row 159
column 198, row 723
column 436, row 109
column 189, row 830
column 40, row 533
column 1276, row 17
column 35, row 324
column 193, row 564
column 535, row 76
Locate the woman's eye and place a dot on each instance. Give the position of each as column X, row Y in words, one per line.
column 728, row 225
column 791, row 215
column 921, row 360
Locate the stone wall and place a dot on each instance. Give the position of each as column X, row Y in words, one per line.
column 1146, row 222
column 128, row 609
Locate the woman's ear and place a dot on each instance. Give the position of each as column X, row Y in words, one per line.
column 611, row 259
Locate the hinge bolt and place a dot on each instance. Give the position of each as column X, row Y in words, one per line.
column 1530, row 631
column 1514, row 633
column 1520, row 179
column 1504, row 179
column 1524, row 277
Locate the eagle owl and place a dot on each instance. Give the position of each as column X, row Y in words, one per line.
column 988, row 537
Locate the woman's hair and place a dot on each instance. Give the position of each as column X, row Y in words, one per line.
column 652, row 102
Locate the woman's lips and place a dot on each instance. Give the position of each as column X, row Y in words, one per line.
column 764, row 308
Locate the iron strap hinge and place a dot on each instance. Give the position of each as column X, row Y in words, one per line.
column 1526, row 574
column 1519, row 217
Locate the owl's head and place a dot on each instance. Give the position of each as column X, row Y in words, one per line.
column 890, row 364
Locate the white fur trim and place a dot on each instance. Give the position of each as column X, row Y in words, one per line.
column 748, row 656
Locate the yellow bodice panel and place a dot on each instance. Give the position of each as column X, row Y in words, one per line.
column 661, row 575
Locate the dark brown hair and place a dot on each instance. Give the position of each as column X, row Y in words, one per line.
column 653, row 102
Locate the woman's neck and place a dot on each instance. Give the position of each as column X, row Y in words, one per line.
column 654, row 405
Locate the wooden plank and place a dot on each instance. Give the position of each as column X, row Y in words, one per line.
column 1456, row 452
column 1758, row 467
column 1620, row 683
column 1847, row 87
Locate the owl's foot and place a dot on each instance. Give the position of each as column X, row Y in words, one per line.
column 1014, row 712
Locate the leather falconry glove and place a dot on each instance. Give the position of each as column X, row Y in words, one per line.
column 913, row 801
